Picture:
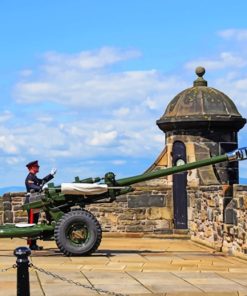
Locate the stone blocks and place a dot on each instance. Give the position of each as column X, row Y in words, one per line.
column 10, row 208
column 216, row 214
column 147, row 209
column 225, row 225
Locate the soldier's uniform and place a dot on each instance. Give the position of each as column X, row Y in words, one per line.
column 32, row 182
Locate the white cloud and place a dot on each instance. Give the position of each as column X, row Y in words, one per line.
column 35, row 91
column 102, row 138
column 80, row 141
column 231, row 78
column 30, row 140
column 26, row 72
column 236, row 89
column 237, row 34
column 119, row 162
column 121, row 112
column 14, row 160
column 45, row 118
column 224, row 60
column 5, row 116
column 8, row 144
column 101, row 116
column 83, row 81
column 159, row 138
column 38, row 87
column 241, row 84
column 151, row 104
column 89, row 60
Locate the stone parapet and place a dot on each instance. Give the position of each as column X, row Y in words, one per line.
column 235, row 227
column 217, row 217
column 206, row 214
column 1, row 211
column 144, row 210
column 12, row 211
column 216, row 214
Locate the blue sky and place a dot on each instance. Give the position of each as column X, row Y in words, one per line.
column 82, row 83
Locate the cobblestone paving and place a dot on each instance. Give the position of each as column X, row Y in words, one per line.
column 130, row 266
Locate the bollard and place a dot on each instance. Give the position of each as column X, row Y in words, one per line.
column 22, row 262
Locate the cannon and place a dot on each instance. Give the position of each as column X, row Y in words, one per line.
column 76, row 231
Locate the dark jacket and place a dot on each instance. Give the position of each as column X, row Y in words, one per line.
column 33, row 182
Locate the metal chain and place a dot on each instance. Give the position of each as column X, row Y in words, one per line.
column 8, row 268
column 56, row 276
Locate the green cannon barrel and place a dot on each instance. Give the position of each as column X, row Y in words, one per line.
column 87, row 180
column 239, row 154
column 115, row 187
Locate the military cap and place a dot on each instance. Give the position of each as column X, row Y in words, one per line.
column 32, row 163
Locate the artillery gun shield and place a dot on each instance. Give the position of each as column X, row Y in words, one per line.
column 78, row 233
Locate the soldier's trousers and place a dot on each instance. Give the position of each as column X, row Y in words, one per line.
column 32, row 218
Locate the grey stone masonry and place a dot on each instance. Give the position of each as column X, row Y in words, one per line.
column 205, row 214
column 217, row 217
column 12, row 211
column 1, row 211
column 147, row 209
column 216, row 214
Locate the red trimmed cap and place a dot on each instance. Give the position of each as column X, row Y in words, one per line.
column 32, row 163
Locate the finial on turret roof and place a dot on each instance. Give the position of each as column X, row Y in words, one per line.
column 200, row 81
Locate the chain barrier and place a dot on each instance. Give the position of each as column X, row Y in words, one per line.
column 56, row 276
column 8, row 268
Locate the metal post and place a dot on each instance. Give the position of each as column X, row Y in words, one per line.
column 22, row 262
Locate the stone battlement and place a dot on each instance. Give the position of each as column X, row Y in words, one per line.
column 216, row 214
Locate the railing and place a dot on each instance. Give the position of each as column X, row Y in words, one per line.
column 23, row 284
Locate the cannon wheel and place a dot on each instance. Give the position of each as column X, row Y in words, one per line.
column 78, row 233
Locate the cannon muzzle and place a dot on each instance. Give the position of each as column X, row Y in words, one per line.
column 238, row 154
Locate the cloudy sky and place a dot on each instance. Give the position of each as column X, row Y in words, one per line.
column 82, row 83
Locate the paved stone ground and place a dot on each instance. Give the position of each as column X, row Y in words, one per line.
column 130, row 266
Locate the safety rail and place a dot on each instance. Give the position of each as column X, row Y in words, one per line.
column 23, row 284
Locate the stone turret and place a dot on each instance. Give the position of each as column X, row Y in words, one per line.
column 207, row 122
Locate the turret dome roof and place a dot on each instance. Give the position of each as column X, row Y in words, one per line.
column 199, row 106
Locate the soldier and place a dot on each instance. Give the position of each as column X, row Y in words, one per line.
column 32, row 182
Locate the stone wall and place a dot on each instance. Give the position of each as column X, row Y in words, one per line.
column 12, row 211
column 139, row 211
column 217, row 217
column 216, row 214
column 1, row 211
column 148, row 210
column 205, row 214
column 236, row 218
